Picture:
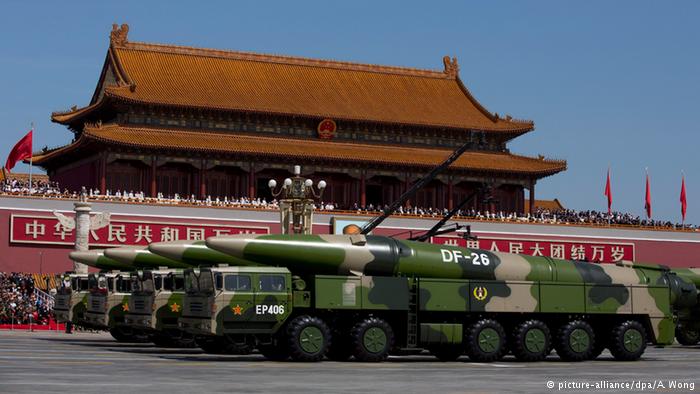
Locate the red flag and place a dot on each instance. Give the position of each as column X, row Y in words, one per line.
column 21, row 151
column 608, row 192
column 647, row 200
column 684, row 202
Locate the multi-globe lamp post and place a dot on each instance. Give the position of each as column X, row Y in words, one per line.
column 296, row 201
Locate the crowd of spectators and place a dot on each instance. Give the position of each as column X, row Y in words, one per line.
column 19, row 303
column 39, row 187
column 562, row 216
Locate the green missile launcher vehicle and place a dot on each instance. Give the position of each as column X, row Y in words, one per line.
column 155, row 305
column 71, row 298
column 366, row 296
column 108, row 303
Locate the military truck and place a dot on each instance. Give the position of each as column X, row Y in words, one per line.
column 71, row 298
column 155, row 305
column 108, row 303
column 367, row 296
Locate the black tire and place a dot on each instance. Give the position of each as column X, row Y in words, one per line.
column 210, row 345
column 686, row 336
column 275, row 352
column 628, row 341
column 161, row 340
column 531, row 341
column 486, row 341
column 234, row 345
column 308, row 338
column 575, row 341
column 372, row 339
column 125, row 334
column 447, row 353
column 119, row 335
column 184, row 340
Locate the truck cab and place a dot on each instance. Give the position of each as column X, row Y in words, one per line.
column 227, row 306
column 156, row 304
column 108, row 303
column 71, row 298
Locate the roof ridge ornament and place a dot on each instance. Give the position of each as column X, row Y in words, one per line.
column 451, row 66
column 118, row 35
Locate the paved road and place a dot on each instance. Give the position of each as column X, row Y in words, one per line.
column 87, row 363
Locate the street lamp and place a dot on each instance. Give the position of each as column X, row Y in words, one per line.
column 296, row 200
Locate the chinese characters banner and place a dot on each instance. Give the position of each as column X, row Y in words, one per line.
column 48, row 230
column 588, row 251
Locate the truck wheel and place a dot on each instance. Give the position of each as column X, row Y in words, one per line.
column 275, row 352
column 185, row 340
column 574, row 341
column 486, row 341
column 628, row 341
column 447, row 352
column 308, row 338
column 687, row 336
column 162, row 340
column 233, row 346
column 372, row 338
column 209, row 345
column 118, row 334
column 531, row 341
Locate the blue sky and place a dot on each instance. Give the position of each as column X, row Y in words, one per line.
column 608, row 83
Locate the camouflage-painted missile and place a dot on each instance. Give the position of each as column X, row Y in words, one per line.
column 97, row 259
column 194, row 253
column 140, row 257
column 385, row 256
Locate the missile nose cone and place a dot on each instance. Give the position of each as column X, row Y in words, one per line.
column 85, row 257
column 124, row 254
column 172, row 250
column 230, row 244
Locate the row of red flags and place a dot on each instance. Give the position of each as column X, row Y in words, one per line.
column 647, row 197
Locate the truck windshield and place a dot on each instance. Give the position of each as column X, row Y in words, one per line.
column 122, row 285
column 173, row 282
column 201, row 282
column 142, row 282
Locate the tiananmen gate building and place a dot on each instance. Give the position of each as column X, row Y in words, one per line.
column 172, row 119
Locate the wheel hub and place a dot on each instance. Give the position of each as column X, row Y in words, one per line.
column 489, row 340
column 579, row 340
column 632, row 340
column 311, row 339
column 535, row 340
column 374, row 340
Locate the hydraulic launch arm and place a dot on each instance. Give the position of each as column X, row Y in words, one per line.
column 372, row 224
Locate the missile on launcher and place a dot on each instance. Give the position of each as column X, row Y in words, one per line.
column 194, row 253
column 386, row 256
column 97, row 259
column 140, row 257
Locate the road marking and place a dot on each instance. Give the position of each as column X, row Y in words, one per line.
column 79, row 362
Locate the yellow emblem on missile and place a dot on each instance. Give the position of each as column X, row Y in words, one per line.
column 480, row 293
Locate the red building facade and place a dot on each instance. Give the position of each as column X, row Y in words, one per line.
column 171, row 119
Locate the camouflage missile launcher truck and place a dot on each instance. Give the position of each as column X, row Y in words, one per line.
column 71, row 298
column 155, row 305
column 366, row 296
column 108, row 303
